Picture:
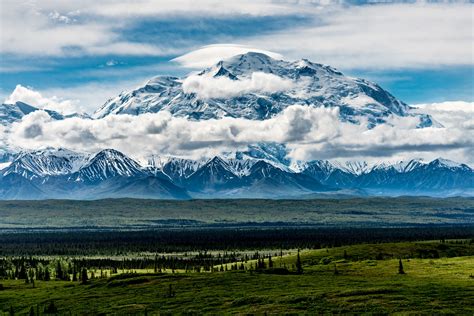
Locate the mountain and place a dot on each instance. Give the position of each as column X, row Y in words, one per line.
column 16, row 187
column 215, row 175
column 261, row 170
column 439, row 177
column 60, row 173
column 248, row 178
column 44, row 163
column 310, row 84
column 176, row 169
column 265, row 179
column 107, row 163
column 10, row 113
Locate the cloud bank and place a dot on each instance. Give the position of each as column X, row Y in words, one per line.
column 310, row 133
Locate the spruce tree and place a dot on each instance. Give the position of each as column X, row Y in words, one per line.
column 47, row 275
column 59, row 271
column 299, row 266
column 84, row 276
column 400, row 267
column 74, row 274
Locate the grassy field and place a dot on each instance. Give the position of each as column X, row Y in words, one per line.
column 362, row 285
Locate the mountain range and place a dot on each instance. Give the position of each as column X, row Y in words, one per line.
column 64, row 174
column 261, row 171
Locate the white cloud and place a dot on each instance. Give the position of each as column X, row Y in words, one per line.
column 30, row 96
column 381, row 36
column 58, row 28
column 451, row 114
column 207, row 87
column 209, row 55
column 310, row 133
column 38, row 28
column 84, row 98
column 369, row 36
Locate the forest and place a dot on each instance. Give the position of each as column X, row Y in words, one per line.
column 164, row 257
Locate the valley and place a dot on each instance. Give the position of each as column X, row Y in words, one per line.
column 145, row 214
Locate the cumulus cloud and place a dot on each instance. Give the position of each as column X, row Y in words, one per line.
column 452, row 114
column 310, row 133
column 83, row 98
column 207, row 87
column 162, row 133
column 209, row 55
column 32, row 97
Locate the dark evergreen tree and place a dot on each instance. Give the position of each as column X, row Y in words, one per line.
column 400, row 267
column 51, row 308
column 59, row 271
column 84, row 277
column 299, row 266
column 47, row 274
column 74, row 274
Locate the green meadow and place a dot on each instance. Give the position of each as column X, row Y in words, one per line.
column 438, row 278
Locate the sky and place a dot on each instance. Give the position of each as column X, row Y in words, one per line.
column 72, row 56
column 88, row 51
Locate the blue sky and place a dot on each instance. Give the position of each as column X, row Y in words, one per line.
column 90, row 51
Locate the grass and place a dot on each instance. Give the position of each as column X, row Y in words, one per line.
column 363, row 286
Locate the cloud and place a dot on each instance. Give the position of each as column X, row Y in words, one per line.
column 310, row 133
column 40, row 28
column 209, row 55
column 384, row 36
column 30, row 96
column 451, row 114
column 65, row 28
column 83, row 98
column 388, row 35
column 207, row 87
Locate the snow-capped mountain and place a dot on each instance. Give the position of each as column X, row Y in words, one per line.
column 177, row 169
column 60, row 173
column 106, row 164
column 439, row 177
column 46, row 162
column 310, row 84
column 10, row 113
column 263, row 170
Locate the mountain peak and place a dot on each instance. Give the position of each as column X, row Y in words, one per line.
column 446, row 163
column 106, row 164
column 359, row 100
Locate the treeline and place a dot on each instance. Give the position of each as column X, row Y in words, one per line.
column 82, row 269
column 89, row 243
